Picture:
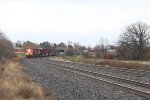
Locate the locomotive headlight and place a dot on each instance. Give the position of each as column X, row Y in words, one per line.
column 27, row 53
column 29, row 50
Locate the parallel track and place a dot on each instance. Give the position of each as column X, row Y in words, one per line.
column 139, row 88
column 132, row 71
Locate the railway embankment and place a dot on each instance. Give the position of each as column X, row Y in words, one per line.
column 71, row 84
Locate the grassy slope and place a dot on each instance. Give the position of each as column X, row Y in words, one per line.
column 141, row 65
column 15, row 84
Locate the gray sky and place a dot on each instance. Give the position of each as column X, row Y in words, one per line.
column 84, row 21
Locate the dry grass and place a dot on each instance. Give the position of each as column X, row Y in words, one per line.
column 59, row 59
column 65, row 59
column 15, row 84
column 122, row 64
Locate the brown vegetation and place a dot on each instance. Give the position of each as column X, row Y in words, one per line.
column 15, row 84
column 121, row 64
column 140, row 65
column 6, row 47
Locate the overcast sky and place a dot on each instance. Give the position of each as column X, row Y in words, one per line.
column 84, row 21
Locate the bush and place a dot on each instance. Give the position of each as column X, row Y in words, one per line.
column 6, row 47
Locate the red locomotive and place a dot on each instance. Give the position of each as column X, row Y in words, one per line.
column 29, row 53
column 40, row 52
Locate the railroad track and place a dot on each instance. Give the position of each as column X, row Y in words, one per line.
column 131, row 74
column 139, row 88
column 132, row 71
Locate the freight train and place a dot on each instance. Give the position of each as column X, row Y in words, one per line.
column 40, row 52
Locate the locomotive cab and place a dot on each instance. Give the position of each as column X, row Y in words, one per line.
column 29, row 53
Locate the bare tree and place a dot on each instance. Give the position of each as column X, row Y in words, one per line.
column 134, row 40
column 18, row 44
column 29, row 44
column 70, row 50
column 46, row 45
column 2, row 36
column 6, row 47
column 54, row 49
column 70, row 46
column 62, row 44
column 101, row 48
column 77, row 46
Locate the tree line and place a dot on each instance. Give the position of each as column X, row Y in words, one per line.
column 133, row 44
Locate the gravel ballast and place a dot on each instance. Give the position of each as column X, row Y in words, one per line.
column 119, row 72
column 69, row 86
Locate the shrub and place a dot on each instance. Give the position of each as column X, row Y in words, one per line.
column 6, row 47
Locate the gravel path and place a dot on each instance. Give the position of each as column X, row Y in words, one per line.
column 68, row 86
